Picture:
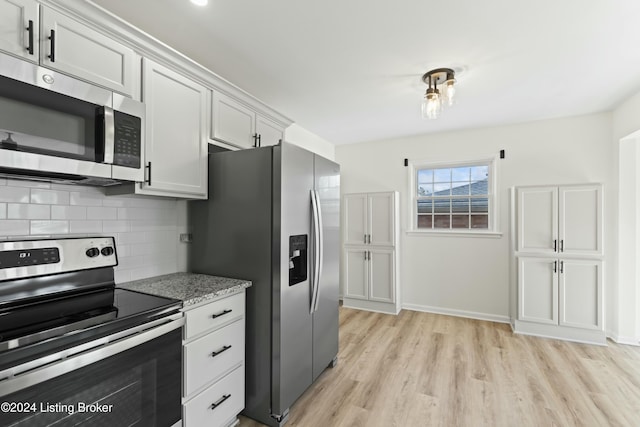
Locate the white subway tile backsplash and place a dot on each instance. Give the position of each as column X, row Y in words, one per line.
column 30, row 184
column 10, row 227
column 145, row 227
column 49, row 197
column 85, row 226
column 49, row 227
column 130, row 238
column 14, row 194
column 102, row 213
column 68, row 212
column 115, row 226
column 28, row 211
column 80, row 198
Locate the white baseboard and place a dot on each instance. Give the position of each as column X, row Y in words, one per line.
column 457, row 313
column 623, row 340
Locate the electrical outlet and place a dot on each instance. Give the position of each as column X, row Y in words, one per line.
column 186, row 237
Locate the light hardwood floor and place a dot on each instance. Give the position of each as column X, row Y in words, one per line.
column 421, row 369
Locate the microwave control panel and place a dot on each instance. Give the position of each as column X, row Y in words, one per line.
column 127, row 140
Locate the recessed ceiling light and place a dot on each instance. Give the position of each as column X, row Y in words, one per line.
column 200, row 2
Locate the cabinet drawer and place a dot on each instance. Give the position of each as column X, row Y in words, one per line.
column 207, row 358
column 200, row 410
column 212, row 315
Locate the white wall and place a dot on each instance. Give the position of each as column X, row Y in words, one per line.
column 298, row 135
column 625, row 320
column 146, row 229
column 469, row 276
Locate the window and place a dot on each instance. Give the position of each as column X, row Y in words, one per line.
column 455, row 197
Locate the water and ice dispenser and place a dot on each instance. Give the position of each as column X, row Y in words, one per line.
column 297, row 259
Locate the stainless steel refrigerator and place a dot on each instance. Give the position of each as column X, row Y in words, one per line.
column 273, row 217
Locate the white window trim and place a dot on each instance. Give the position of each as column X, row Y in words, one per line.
column 494, row 213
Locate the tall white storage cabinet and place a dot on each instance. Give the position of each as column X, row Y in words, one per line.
column 370, row 252
column 559, row 261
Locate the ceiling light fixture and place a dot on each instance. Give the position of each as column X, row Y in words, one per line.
column 200, row 2
column 434, row 100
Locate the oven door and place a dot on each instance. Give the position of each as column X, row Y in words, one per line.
column 130, row 381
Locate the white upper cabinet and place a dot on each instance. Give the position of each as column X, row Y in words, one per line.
column 73, row 48
column 370, row 219
column 269, row 132
column 560, row 220
column 538, row 219
column 232, row 122
column 381, row 219
column 355, row 214
column 20, row 28
column 580, row 216
column 176, row 145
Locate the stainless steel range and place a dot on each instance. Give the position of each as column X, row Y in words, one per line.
column 74, row 349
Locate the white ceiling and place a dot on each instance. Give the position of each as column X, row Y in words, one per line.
column 350, row 70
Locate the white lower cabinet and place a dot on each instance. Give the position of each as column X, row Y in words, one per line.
column 580, row 294
column 213, row 362
column 370, row 279
column 561, row 298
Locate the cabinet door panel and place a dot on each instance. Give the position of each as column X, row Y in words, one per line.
column 175, row 137
column 581, row 294
column 16, row 15
column 355, row 274
column 355, row 214
column 270, row 132
column 537, row 290
column 581, row 220
column 232, row 122
column 381, row 276
column 381, row 214
column 86, row 53
column 537, row 219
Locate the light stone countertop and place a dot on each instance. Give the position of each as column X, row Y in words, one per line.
column 190, row 288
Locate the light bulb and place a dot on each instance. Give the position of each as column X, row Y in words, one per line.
column 449, row 92
column 200, row 2
column 431, row 104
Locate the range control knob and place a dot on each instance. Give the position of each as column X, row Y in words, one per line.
column 107, row 250
column 93, row 252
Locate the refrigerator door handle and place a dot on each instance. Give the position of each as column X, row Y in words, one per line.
column 315, row 234
column 319, row 257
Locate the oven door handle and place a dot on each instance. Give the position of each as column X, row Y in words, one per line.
column 66, row 365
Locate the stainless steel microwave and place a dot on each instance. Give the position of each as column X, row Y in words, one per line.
column 60, row 129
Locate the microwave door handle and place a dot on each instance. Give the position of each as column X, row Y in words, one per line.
column 109, row 135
